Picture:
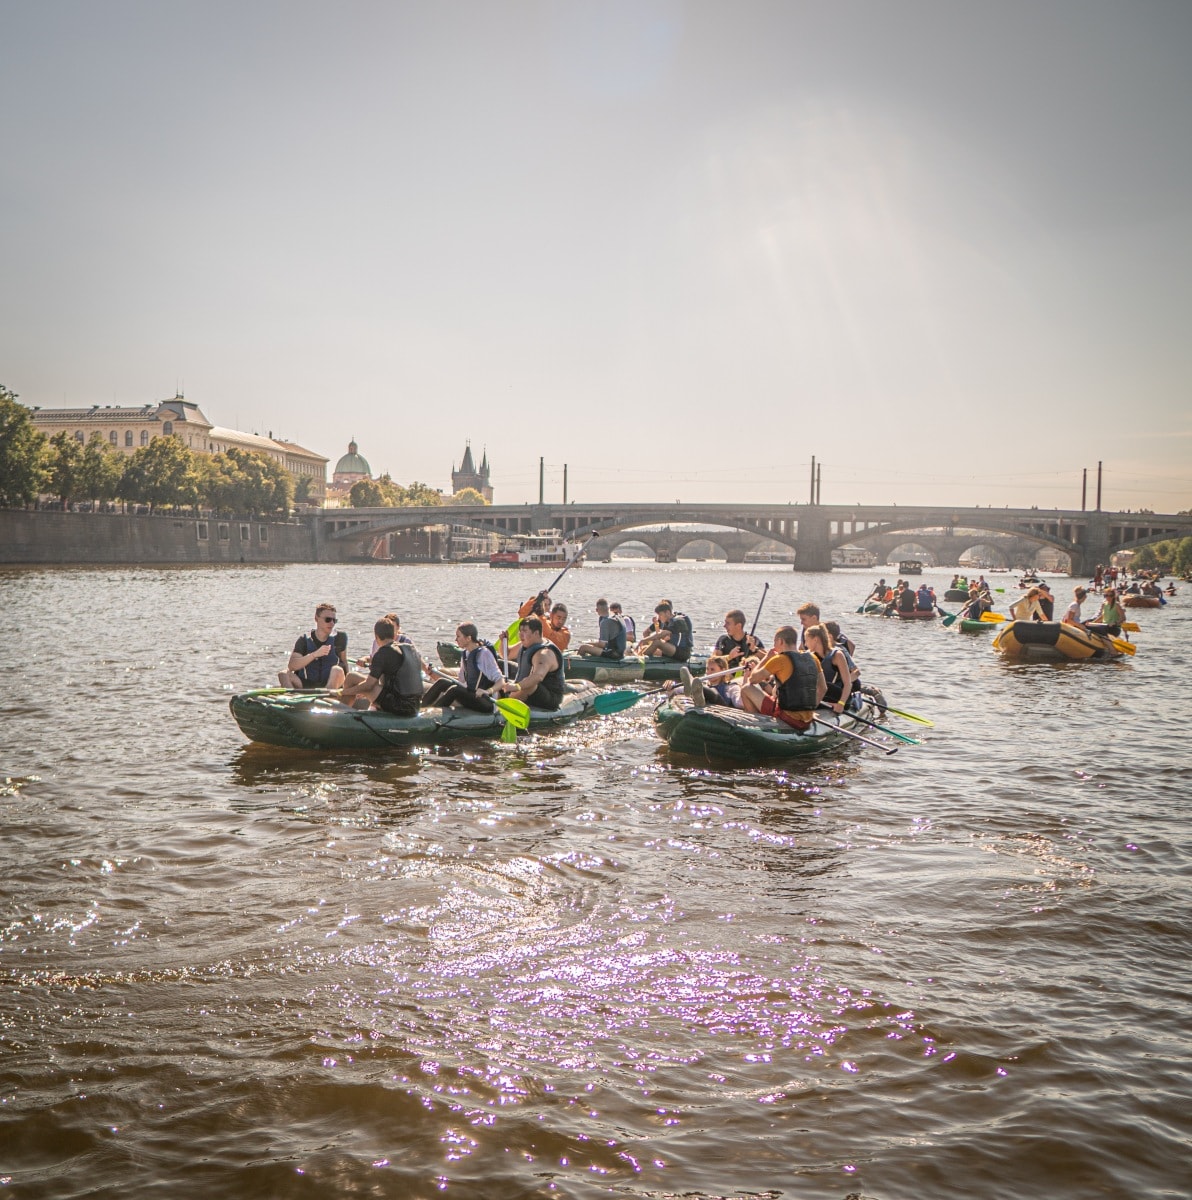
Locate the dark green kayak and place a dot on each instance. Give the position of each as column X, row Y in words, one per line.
column 304, row 721
column 720, row 733
column 966, row 626
column 605, row 670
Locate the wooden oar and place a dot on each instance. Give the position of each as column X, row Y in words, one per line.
column 902, row 737
column 615, row 702
column 906, row 716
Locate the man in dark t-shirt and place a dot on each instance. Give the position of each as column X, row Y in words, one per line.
column 734, row 643
column 394, row 680
column 320, row 658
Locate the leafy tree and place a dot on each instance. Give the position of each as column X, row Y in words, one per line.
column 161, row 474
column 302, row 490
column 243, row 481
column 368, row 493
column 65, row 464
column 1181, row 563
column 100, row 470
column 468, row 495
column 419, row 495
column 22, row 453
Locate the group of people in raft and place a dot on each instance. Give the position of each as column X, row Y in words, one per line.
column 809, row 666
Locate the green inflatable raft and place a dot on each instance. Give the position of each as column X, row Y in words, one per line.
column 718, row 733
column 605, row 671
column 306, row 721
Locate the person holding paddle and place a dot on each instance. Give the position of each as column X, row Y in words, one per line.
column 734, row 643
column 540, row 681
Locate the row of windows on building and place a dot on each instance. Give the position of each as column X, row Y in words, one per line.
column 223, row 531
column 114, row 437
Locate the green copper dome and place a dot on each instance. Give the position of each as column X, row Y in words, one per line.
column 353, row 463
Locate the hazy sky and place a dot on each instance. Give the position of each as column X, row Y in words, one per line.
column 945, row 247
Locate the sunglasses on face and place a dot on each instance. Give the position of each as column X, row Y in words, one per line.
column 329, row 620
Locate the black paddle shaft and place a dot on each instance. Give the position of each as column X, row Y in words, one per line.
column 583, row 550
column 759, row 609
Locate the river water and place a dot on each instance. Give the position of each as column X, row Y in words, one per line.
column 574, row 967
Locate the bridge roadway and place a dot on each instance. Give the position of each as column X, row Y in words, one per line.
column 811, row 530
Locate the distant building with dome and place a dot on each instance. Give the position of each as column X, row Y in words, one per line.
column 469, row 476
column 352, row 468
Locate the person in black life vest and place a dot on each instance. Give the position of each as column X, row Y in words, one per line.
column 394, row 680
column 841, row 676
column 540, row 682
column 906, row 598
column 319, row 659
column 798, row 683
column 611, row 637
column 672, row 639
column 479, row 673
column 734, row 643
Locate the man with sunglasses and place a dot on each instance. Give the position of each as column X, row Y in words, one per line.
column 319, row 658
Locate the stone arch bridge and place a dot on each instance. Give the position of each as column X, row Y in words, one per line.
column 811, row 530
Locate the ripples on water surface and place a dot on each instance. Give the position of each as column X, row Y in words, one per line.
column 574, row 967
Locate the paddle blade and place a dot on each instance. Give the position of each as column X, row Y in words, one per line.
column 614, row 702
column 1131, row 626
column 509, row 733
column 515, row 712
column 1123, row 646
column 993, row 618
column 906, row 716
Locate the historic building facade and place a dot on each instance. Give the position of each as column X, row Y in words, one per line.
column 128, row 428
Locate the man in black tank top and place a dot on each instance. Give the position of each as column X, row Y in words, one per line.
column 540, row 682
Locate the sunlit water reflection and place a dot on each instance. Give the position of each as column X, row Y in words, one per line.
column 576, row 966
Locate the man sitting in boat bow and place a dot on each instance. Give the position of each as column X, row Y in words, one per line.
column 798, row 683
column 319, row 659
column 540, row 681
column 611, row 637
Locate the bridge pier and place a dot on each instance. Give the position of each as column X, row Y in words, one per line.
column 813, row 548
column 1096, row 547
